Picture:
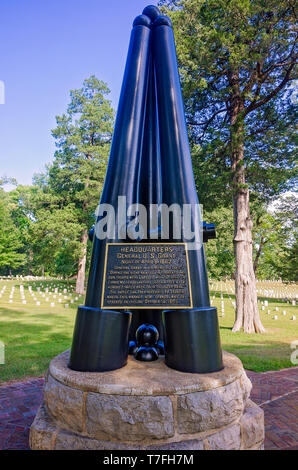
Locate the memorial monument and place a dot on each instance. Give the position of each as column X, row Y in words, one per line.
column 147, row 291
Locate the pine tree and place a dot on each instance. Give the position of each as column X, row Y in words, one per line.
column 75, row 179
column 11, row 245
column 237, row 60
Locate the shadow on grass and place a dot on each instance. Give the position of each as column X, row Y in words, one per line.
column 19, row 332
column 31, row 341
column 260, row 357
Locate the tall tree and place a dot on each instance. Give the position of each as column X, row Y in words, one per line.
column 220, row 259
column 281, row 236
column 83, row 135
column 11, row 245
column 20, row 207
column 237, row 59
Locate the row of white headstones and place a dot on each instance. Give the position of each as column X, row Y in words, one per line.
column 285, row 295
column 45, row 295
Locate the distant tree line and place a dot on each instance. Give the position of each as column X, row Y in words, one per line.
column 40, row 237
column 237, row 64
column 47, row 223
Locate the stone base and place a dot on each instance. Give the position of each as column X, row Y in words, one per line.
column 147, row 406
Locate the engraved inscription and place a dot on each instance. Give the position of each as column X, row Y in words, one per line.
column 146, row 275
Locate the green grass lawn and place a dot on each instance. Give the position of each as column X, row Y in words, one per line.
column 33, row 334
column 268, row 351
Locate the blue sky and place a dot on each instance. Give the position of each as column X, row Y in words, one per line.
column 48, row 47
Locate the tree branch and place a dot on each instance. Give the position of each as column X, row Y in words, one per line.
column 256, row 104
column 206, row 123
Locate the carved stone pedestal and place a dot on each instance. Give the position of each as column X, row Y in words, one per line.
column 147, row 406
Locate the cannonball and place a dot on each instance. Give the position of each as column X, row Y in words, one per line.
column 146, row 354
column 147, row 335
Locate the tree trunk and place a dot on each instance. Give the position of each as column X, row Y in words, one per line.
column 247, row 312
column 80, row 284
column 30, row 261
column 260, row 249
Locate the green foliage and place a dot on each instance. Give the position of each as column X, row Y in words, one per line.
column 220, row 252
column 11, row 255
column 68, row 192
column 46, row 221
column 83, row 136
column 34, row 335
column 55, row 234
column 274, row 241
column 276, row 232
column 237, row 60
column 21, row 212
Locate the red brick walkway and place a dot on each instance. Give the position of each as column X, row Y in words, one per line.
column 18, row 405
column 275, row 392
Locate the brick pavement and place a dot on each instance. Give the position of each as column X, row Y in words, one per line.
column 19, row 403
column 276, row 392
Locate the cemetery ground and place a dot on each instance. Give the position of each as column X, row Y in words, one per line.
column 37, row 319
column 36, row 324
column 36, row 331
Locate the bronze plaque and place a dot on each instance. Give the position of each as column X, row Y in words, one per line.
column 146, row 275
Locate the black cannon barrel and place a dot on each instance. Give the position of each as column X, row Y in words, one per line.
column 100, row 340
column 149, row 177
column 122, row 172
column 192, row 340
column 150, row 163
column 149, row 185
column 178, row 185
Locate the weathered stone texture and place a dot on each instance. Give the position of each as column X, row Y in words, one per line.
column 213, row 409
column 43, row 430
column 129, row 418
column 153, row 378
column 147, row 406
column 191, row 444
column 65, row 404
column 226, row 439
column 69, row 441
column 252, row 425
column 246, row 386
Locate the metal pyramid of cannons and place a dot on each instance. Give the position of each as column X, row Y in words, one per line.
column 149, row 166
